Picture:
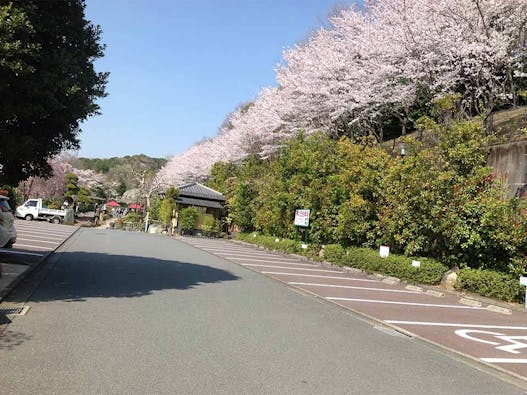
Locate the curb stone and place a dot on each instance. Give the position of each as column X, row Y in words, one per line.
column 414, row 288
column 498, row 309
column 470, row 302
column 435, row 293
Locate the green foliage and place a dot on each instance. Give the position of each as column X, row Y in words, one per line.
column 18, row 49
column 188, row 218
column 430, row 271
column 490, row 283
column 154, row 209
column 302, row 176
column 71, row 181
column 284, row 245
column 168, row 206
column 439, row 201
column 208, row 224
column 132, row 216
column 334, row 253
column 47, row 55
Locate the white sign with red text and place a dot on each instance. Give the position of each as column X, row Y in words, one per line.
column 302, row 218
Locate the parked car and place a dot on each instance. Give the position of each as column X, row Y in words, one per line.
column 7, row 224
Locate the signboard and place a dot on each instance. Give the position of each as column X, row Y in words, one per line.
column 523, row 281
column 302, row 218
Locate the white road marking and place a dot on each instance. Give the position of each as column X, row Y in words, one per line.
column 254, row 254
column 32, row 246
column 275, row 261
column 407, row 303
column 447, row 324
column 352, row 287
column 513, row 341
column 319, row 276
column 289, row 268
column 42, row 232
column 43, row 235
column 504, row 360
column 39, row 235
column 20, row 252
column 39, row 241
column 270, row 261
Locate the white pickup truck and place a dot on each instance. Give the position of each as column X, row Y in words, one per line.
column 34, row 209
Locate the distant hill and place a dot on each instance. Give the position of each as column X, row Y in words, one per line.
column 105, row 166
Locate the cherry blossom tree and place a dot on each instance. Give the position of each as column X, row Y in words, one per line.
column 51, row 188
column 370, row 63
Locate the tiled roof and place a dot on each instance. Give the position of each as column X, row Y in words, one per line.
column 198, row 190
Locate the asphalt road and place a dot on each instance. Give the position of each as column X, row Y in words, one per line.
column 114, row 312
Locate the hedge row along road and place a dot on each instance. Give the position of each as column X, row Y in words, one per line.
column 489, row 335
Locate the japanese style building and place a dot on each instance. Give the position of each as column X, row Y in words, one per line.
column 205, row 199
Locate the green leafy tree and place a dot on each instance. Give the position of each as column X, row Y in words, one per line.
column 168, row 206
column 48, row 83
column 153, row 210
column 72, row 185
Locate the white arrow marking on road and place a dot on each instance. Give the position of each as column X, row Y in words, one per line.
column 516, row 345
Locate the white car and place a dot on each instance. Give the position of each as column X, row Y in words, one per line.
column 7, row 224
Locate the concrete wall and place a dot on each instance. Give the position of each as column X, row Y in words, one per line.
column 510, row 161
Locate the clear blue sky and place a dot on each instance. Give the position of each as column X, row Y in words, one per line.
column 178, row 67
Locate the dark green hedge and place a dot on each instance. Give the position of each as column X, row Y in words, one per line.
column 491, row 284
column 368, row 260
column 285, row 245
column 430, row 271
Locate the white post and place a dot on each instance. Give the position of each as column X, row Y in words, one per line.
column 523, row 281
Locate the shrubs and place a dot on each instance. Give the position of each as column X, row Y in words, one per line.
column 366, row 259
column 188, row 218
column 490, row 283
column 487, row 283
column 430, row 271
column 284, row 245
column 334, row 253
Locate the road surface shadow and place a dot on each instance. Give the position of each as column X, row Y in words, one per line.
column 10, row 339
column 77, row 276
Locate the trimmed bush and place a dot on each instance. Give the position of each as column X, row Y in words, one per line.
column 284, row 245
column 334, row 253
column 188, row 218
column 399, row 266
column 491, row 284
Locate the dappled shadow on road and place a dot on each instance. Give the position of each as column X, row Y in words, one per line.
column 78, row 276
column 10, row 339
